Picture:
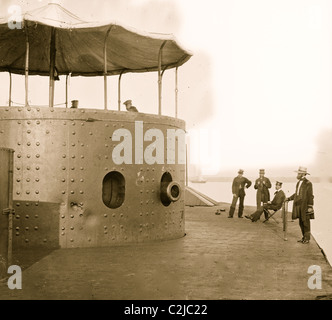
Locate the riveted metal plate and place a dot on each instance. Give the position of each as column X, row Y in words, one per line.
column 36, row 224
column 62, row 156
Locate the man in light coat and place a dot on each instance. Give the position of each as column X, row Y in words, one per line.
column 303, row 204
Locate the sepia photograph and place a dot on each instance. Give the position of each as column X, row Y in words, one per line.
column 165, row 154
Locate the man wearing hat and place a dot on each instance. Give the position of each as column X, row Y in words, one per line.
column 129, row 106
column 238, row 186
column 262, row 185
column 275, row 204
column 303, row 203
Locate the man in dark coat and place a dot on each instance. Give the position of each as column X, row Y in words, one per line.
column 262, row 185
column 303, row 204
column 238, row 186
column 275, row 204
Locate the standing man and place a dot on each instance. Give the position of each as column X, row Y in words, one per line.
column 262, row 185
column 275, row 204
column 303, row 204
column 238, row 186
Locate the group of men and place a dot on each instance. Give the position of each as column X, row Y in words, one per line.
column 303, row 199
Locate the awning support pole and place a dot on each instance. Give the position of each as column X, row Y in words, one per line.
column 52, row 68
column 160, row 77
column 176, row 92
column 119, row 91
column 105, row 68
column 67, row 90
column 26, row 66
column 105, row 91
column 186, row 165
column 10, row 90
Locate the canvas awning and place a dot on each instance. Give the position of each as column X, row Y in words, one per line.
column 83, row 48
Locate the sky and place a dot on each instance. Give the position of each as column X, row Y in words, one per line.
column 255, row 94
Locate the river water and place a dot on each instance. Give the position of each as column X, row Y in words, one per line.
column 321, row 226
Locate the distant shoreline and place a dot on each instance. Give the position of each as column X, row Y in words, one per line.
column 283, row 179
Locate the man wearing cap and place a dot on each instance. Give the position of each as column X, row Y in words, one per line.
column 275, row 204
column 238, row 186
column 303, row 204
column 262, row 185
column 129, row 106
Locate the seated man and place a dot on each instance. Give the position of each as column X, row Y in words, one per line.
column 276, row 204
column 129, row 106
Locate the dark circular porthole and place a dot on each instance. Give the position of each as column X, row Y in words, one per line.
column 114, row 190
column 170, row 191
column 173, row 191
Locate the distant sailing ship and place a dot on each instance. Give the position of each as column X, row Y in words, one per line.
column 199, row 179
